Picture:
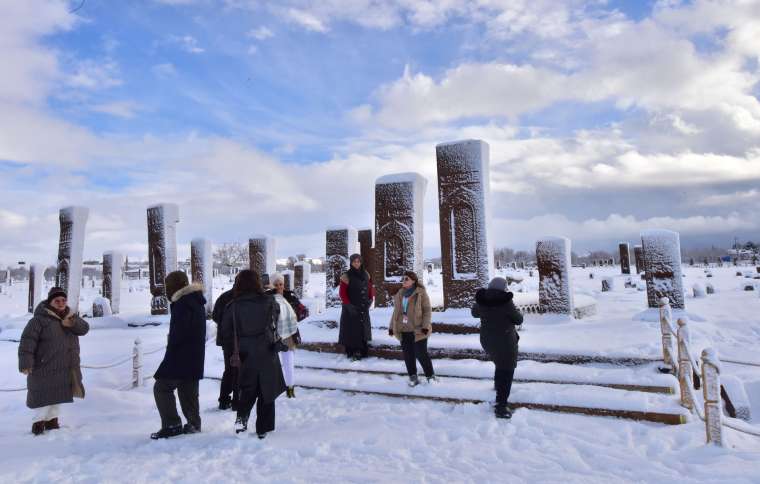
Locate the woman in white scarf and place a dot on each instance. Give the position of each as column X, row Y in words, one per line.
column 287, row 329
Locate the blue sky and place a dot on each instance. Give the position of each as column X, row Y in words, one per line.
column 604, row 118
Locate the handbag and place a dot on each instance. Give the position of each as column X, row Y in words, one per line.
column 235, row 358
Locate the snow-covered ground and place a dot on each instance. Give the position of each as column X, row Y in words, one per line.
column 341, row 437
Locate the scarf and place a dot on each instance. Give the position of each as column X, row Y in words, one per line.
column 287, row 324
column 407, row 294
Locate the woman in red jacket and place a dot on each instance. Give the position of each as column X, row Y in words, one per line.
column 356, row 293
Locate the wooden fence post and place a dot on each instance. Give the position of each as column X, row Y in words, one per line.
column 684, row 365
column 667, row 337
column 711, row 393
column 137, row 364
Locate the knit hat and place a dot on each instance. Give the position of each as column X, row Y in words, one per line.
column 56, row 292
column 498, row 283
column 174, row 282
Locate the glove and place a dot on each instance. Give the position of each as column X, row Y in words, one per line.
column 390, row 331
column 26, row 371
column 297, row 337
column 425, row 331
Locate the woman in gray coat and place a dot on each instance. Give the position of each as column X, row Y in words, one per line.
column 48, row 355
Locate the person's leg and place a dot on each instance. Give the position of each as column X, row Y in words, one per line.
column 264, row 416
column 227, row 385
column 503, row 383
column 407, row 347
column 288, row 366
column 51, row 418
column 421, row 351
column 163, row 392
column 188, row 401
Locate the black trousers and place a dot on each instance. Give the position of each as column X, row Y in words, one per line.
column 416, row 351
column 264, row 411
column 187, row 390
column 229, row 381
column 502, row 379
column 360, row 351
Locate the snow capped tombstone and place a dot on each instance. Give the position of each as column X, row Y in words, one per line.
column 366, row 251
column 70, row 252
column 553, row 258
column 608, row 284
column 662, row 266
column 288, row 277
column 101, row 307
column 112, row 262
column 301, row 277
column 699, row 290
column 36, row 282
column 340, row 243
column 261, row 253
column 202, row 269
column 430, row 268
column 625, row 258
column 464, row 216
column 709, row 288
column 398, row 228
column 162, row 252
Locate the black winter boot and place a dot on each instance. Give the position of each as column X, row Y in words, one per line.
column 190, row 429
column 241, row 424
column 501, row 411
column 38, row 428
column 167, row 432
column 52, row 424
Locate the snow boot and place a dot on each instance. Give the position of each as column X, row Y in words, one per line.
column 225, row 404
column 413, row 381
column 190, row 429
column 52, row 424
column 167, row 432
column 241, row 425
column 432, row 379
column 291, row 392
column 501, row 411
column 262, row 435
column 38, row 428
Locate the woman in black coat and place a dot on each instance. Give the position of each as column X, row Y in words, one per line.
column 356, row 293
column 250, row 324
column 498, row 336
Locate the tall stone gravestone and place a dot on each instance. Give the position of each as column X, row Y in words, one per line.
column 301, row 277
column 288, row 278
column 366, row 250
column 340, row 243
column 70, row 252
column 202, row 269
column 625, row 258
column 112, row 263
column 464, row 214
column 638, row 257
column 261, row 253
column 162, row 252
column 398, row 232
column 36, row 283
column 554, row 290
column 662, row 267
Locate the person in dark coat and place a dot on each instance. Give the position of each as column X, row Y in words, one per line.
column 356, row 293
column 250, row 324
column 48, row 355
column 182, row 366
column 229, row 377
column 498, row 336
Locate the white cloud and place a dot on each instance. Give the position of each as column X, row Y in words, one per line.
column 188, row 43
column 165, row 70
column 306, row 20
column 121, row 109
column 261, row 33
column 91, row 74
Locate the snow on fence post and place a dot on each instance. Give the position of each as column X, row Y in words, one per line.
column 70, row 252
column 137, row 364
column 36, row 281
column 398, row 232
column 711, row 393
column 662, row 265
column 464, row 216
column 162, row 252
column 553, row 260
column 340, row 243
column 685, row 370
column 667, row 339
column 202, row 269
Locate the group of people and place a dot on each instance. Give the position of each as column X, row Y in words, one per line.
column 258, row 332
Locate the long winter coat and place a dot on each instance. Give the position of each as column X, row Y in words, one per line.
column 498, row 317
column 356, row 293
column 218, row 313
column 256, row 317
column 186, row 349
column 51, row 350
column 418, row 312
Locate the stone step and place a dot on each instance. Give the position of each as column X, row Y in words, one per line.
column 394, row 352
column 648, row 380
column 579, row 399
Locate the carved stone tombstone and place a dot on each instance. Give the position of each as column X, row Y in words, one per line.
column 463, row 194
column 288, row 277
column 112, row 263
column 36, row 282
column 301, row 277
column 340, row 243
column 625, row 258
column 638, row 256
column 70, row 252
column 398, row 232
column 553, row 259
column 662, row 266
column 366, row 250
column 261, row 253
column 162, row 252
column 202, row 269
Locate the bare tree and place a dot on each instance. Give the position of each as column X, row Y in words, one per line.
column 233, row 254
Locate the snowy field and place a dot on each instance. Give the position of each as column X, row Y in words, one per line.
column 332, row 436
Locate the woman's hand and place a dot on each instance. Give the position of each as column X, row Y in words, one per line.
column 425, row 331
column 390, row 331
column 26, row 371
